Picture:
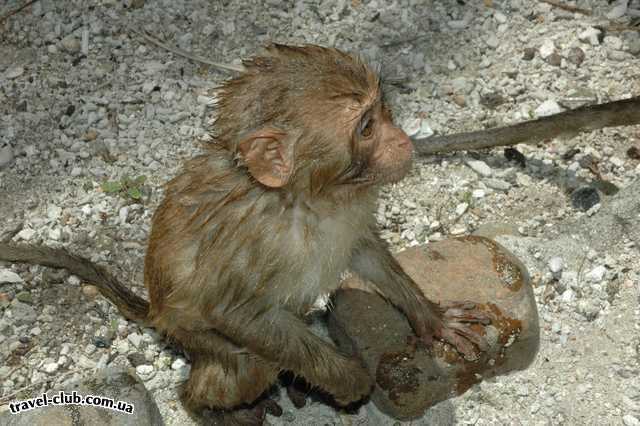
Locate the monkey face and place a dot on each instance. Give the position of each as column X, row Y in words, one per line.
column 382, row 150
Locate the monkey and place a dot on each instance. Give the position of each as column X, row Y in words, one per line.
column 264, row 221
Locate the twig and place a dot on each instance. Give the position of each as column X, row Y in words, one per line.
column 567, row 7
column 587, row 118
column 39, row 382
column 13, row 12
column 185, row 54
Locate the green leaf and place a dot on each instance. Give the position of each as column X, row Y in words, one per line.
column 111, row 187
column 140, row 180
column 134, row 193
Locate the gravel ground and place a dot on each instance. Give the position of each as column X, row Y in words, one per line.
column 87, row 107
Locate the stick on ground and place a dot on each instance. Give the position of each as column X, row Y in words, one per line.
column 587, row 118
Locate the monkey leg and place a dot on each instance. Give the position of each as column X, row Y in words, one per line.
column 224, row 376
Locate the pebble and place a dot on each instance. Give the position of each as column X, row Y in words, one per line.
column 497, row 184
column 618, row 11
column 71, row 44
column 591, row 35
column 7, row 276
column 478, row 193
column 461, row 209
column 547, row 49
column 492, row 41
column 630, row 420
column 13, row 72
column 6, row 156
column 548, row 107
column 597, row 274
column 145, row 372
column 135, row 339
column 585, row 198
column 480, row 167
column 50, row 368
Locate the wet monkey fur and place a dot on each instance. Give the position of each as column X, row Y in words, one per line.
column 260, row 225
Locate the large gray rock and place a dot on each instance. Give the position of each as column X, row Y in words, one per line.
column 116, row 384
column 410, row 379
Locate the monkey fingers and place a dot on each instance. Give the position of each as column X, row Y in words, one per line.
column 297, row 397
column 464, row 312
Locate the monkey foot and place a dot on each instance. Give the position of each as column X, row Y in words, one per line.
column 297, row 397
column 254, row 415
column 455, row 330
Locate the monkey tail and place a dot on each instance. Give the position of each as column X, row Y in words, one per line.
column 132, row 306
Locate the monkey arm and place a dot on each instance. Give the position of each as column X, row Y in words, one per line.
column 281, row 337
column 373, row 262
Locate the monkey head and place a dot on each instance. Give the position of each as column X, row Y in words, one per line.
column 311, row 118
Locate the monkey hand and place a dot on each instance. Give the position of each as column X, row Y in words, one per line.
column 354, row 385
column 451, row 323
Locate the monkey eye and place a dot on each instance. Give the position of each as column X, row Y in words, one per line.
column 366, row 127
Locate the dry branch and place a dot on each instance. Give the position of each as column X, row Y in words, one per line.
column 584, row 119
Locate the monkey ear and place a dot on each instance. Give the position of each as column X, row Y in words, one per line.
column 269, row 159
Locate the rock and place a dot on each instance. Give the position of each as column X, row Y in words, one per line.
column 13, row 72
column 591, row 35
column 630, row 420
column 6, row 156
column 576, row 56
column 90, row 291
column 408, row 379
column 597, row 274
column 480, row 167
column 497, row 184
column 22, row 313
column 145, row 372
column 135, row 339
column 71, row 44
column 138, row 405
column 547, row 49
column 584, row 198
column 25, row 297
column 618, row 11
column 555, row 265
column 50, row 368
column 548, row 107
column 554, row 59
column 529, row 53
column 8, row 276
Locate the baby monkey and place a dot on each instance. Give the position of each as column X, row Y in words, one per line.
column 254, row 230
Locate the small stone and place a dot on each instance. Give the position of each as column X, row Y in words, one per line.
column 461, row 209
column 529, row 53
column 145, row 372
column 547, row 49
column 554, row 59
column 618, row 11
column 584, row 198
column 90, row 291
column 500, row 17
column 555, row 265
column 492, row 41
column 480, row 167
column 25, row 297
column 630, row 420
column 548, row 107
column 478, row 193
column 634, row 153
column 22, row 313
column 13, row 72
column 135, row 339
column 597, row 274
column 6, row 156
column 136, row 359
column 576, row 56
column 50, row 368
column 7, row 276
column 591, row 35
column 89, row 136
column 71, row 44
column 497, row 184
column 55, row 234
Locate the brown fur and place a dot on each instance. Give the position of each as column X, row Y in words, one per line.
column 260, row 225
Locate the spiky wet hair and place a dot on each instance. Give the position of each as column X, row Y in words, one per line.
column 277, row 87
